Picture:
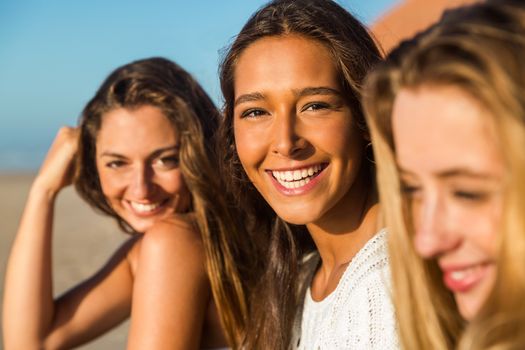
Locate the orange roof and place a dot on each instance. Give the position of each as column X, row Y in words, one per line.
column 409, row 17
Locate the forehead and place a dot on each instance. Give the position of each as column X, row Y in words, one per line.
column 438, row 128
column 288, row 61
column 132, row 127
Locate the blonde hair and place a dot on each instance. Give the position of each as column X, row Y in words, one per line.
column 480, row 49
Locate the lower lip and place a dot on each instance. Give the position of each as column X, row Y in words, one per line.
column 299, row 190
column 465, row 284
column 146, row 214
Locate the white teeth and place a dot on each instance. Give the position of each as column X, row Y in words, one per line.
column 457, row 275
column 464, row 273
column 296, row 178
column 144, row 208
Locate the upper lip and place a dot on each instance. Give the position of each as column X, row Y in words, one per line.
column 146, row 202
column 447, row 267
column 297, row 167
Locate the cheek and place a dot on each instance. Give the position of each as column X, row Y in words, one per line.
column 350, row 147
column 481, row 225
column 173, row 183
column 486, row 230
column 249, row 146
column 110, row 183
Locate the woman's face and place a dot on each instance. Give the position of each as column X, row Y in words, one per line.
column 138, row 165
column 451, row 170
column 294, row 131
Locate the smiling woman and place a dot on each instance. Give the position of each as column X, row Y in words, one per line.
column 143, row 154
column 142, row 181
column 446, row 112
column 298, row 164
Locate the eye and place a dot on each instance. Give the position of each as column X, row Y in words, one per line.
column 409, row 190
column 253, row 113
column 315, row 106
column 115, row 164
column 471, row 196
column 168, row 162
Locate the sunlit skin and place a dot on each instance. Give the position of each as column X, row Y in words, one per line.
column 452, row 170
column 297, row 141
column 290, row 115
column 137, row 162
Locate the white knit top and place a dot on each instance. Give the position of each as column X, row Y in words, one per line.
column 359, row 313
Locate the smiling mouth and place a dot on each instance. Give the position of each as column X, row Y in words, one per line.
column 297, row 178
column 463, row 279
column 147, row 208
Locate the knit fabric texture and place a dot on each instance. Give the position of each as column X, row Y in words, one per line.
column 359, row 313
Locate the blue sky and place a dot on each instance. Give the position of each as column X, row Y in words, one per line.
column 55, row 53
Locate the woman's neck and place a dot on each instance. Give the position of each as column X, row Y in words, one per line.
column 341, row 233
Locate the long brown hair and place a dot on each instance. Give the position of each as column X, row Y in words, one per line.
column 163, row 84
column 479, row 49
column 275, row 299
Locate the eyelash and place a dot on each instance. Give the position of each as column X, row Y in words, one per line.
column 470, row 196
column 115, row 164
column 316, row 106
column 253, row 113
column 172, row 161
column 168, row 161
column 409, row 190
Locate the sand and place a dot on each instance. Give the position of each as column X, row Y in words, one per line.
column 83, row 241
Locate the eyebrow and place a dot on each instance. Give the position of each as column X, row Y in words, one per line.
column 254, row 96
column 321, row 90
column 154, row 154
column 455, row 172
column 309, row 91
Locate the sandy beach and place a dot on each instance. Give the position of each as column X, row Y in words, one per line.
column 83, row 241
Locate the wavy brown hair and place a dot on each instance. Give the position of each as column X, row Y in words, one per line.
column 163, row 84
column 479, row 49
column 281, row 248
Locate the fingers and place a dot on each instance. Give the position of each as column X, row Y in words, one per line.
column 57, row 170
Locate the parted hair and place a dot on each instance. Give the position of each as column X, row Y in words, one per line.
column 278, row 293
column 479, row 49
column 163, row 84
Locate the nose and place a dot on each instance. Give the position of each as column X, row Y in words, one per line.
column 287, row 140
column 434, row 234
column 142, row 182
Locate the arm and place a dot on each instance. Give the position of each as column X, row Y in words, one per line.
column 31, row 317
column 171, row 291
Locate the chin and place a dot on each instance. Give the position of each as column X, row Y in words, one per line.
column 140, row 226
column 470, row 305
column 468, row 310
column 296, row 217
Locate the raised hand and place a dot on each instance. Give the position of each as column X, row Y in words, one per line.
column 58, row 168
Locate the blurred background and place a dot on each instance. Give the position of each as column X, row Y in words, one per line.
column 55, row 53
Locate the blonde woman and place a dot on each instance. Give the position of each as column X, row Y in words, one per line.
column 447, row 117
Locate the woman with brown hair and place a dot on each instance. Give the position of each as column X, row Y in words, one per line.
column 142, row 154
column 446, row 113
column 297, row 161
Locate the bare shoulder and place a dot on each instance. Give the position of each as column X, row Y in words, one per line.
column 174, row 241
column 179, row 230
